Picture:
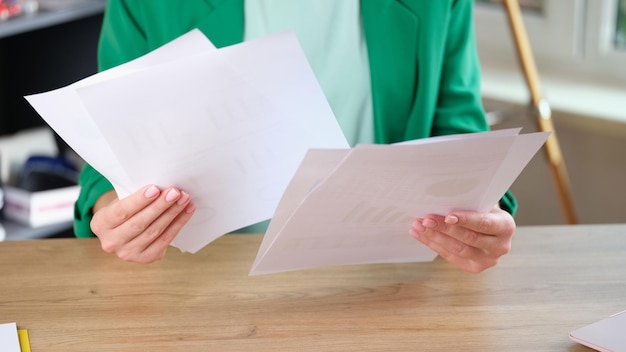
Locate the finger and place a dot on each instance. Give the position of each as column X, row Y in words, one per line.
column 495, row 222
column 120, row 211
column 455, row 252
column 141, row 221
column 179, row 222
column 446, row 245
column 156, row 228
column 460, row 233
column 465, row 226
column 157, row 249
column 462, row 262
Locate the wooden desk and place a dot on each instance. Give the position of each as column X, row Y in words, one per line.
column 73, row 297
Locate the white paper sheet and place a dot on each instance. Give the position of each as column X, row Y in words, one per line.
column 64, row 111
column 606, row 335
column 230, row 126
column 9, row 340
column 357, row 206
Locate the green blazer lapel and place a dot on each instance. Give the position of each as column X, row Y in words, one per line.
column 225, row 24
column 391, row 32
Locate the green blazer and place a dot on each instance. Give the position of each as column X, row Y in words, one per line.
column 424, row 66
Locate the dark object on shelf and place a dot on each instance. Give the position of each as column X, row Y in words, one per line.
column 42, row 173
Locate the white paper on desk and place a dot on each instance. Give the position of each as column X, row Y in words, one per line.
column 9, row 340
column 230, row 126
column 356, row 206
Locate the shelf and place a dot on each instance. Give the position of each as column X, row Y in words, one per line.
column 61, row 12
column 15, row 231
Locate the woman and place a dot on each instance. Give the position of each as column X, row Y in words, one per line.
column 391, row 70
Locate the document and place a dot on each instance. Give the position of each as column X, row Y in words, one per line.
column 229, row 126
column 357, row 206
column 247, row 131
column 604, row 335
column 9, row 339
column 64, row 111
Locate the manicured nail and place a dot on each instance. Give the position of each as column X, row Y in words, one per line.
column 151, row 192
column 417, row 225
column 429, row 223
column 190, row 208
column 184, row 197
column 451, row 219
column 172, row 195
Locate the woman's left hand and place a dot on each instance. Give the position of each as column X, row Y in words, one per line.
column 470, row 240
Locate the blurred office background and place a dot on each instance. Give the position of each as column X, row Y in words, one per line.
column 579, row 47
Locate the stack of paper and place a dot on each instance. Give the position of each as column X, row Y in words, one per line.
column 232, row 126
column 357, row 206
column 229, row 126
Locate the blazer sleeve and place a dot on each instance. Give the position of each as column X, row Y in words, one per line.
column 121, row 40
column 459, row 105
column 92, row 186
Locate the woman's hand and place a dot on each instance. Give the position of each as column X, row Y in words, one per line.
column 472, row 241
column 140, row 227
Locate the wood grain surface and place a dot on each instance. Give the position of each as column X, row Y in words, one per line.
column 71, row 296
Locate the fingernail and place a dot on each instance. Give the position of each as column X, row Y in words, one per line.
column 429, row 223
column 451, row 219
column 184, row 196
column 417, row 226
column 190, row 208
column 151, row 192
column 172, row 195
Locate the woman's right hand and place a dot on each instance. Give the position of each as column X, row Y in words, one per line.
column 140, row 227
